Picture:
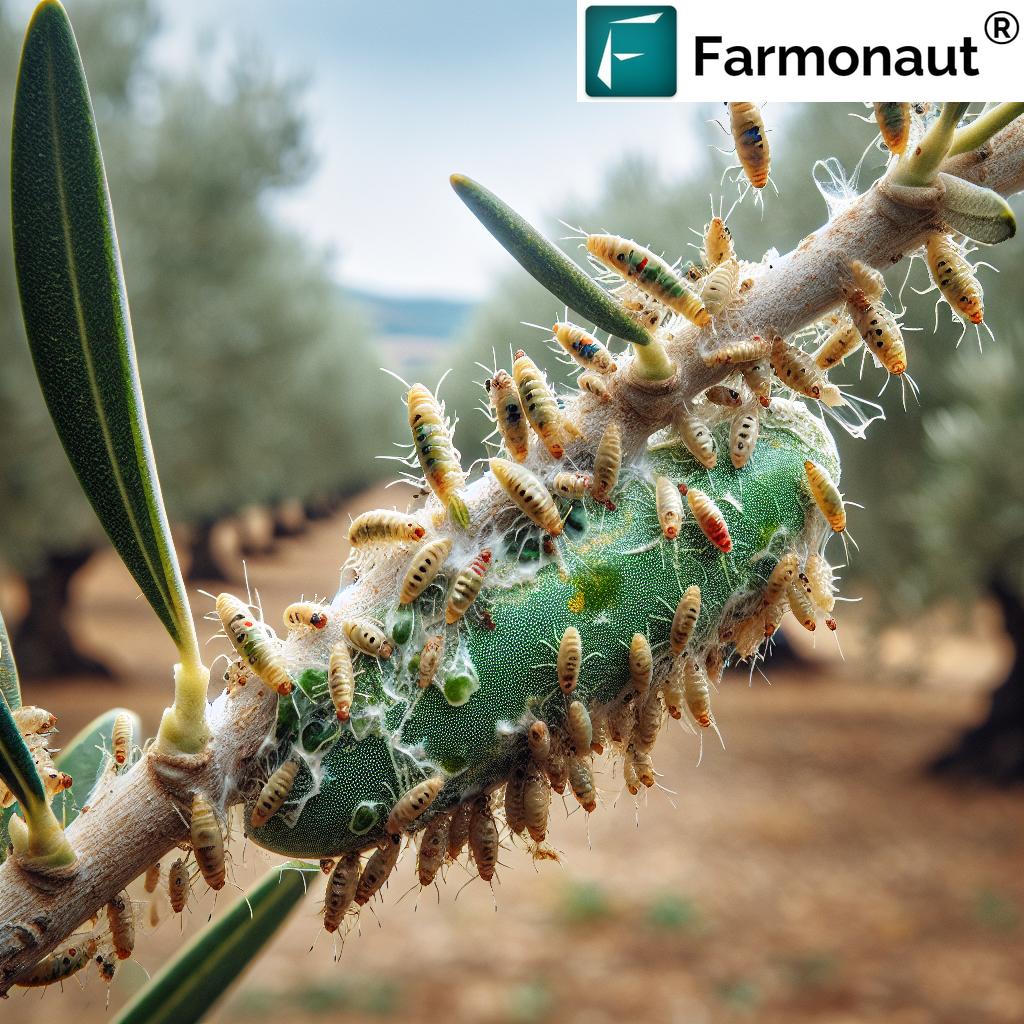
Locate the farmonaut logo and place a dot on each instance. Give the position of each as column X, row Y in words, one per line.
column 630, row 51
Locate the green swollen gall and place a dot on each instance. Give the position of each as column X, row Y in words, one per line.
column 612, row 576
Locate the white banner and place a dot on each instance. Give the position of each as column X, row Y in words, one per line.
column 792, row 50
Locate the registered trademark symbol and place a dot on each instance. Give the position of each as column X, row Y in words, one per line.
column 1002, row 27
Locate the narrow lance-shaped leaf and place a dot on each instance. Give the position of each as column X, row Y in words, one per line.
column 10, row 693
column 17, row 769
column 548, row 264
column 10, row 687
column 76, row 311
column 38, row 835
column 201, row 973
column 85, row 758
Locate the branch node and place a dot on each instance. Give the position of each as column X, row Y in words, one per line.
column 177, row 774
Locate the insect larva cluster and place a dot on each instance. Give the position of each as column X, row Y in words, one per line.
column 590, row 585
column 37, row 727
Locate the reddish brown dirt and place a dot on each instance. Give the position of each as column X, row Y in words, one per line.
column 809, row 872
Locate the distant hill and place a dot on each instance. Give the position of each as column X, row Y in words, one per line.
column 412, row 332
column 425, row 317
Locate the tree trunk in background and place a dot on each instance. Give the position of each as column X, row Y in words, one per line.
column 319, row 506
column 42, row 644
column 208, row 550
column 993, row 751
column 781, row 653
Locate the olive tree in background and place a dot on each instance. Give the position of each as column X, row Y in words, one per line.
column 968, row 535
column 239, row 323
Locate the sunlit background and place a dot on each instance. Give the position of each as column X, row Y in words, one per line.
column 279, row 177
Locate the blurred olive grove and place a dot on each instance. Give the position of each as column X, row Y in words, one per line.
column 942, row 483
column 252, row 365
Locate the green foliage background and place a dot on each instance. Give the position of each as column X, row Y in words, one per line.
column 256, row 371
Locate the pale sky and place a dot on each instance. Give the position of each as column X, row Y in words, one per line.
column 404, row 94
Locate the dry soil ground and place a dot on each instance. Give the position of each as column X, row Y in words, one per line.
column 809, row 872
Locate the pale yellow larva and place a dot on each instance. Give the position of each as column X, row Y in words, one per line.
column 697, row 437
column 801, row 606
column 437, row 454
column 748, row 132
column 641, row 664
column 253, row 642
column 305, row 615
column 672, row 691
column 880, row 331
column 538, row 737
column 650, row 273
column 433, row 848
column 644, row 768
column 649, row 718
column 60, row 965
column 425, row 565
column 466, row 587
column 721, row 287
column 121, row 920
column 570, row 658
column 955, row 278
column 866, row 279
column 430, row 660
column 207, row 841
column 595, row 385
column 718, row 244
column 607, row 462
column 584, row 348
column 508, row 414
column 378, row 868
column 684, row 619
column 483, row 838
column 819, row 573
column 121, row 740
column 413, row 804
column 669, row 505
column 696, row 690
column 841, row 343
column 579, row 727
column 274, row 793
column 367, row 637
column 384, row 526
column 529, row 495
column 572, row 486
column 33, row 721
column 581, row 780
column 540, row 404
column 743, row 434
column 796, row 369
column 780, row 578
column 757, row 375
column 826, row 495
column 341, row 680
column 736, row 352
column 341, row 890
column 536, row 803
column 749, row 634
